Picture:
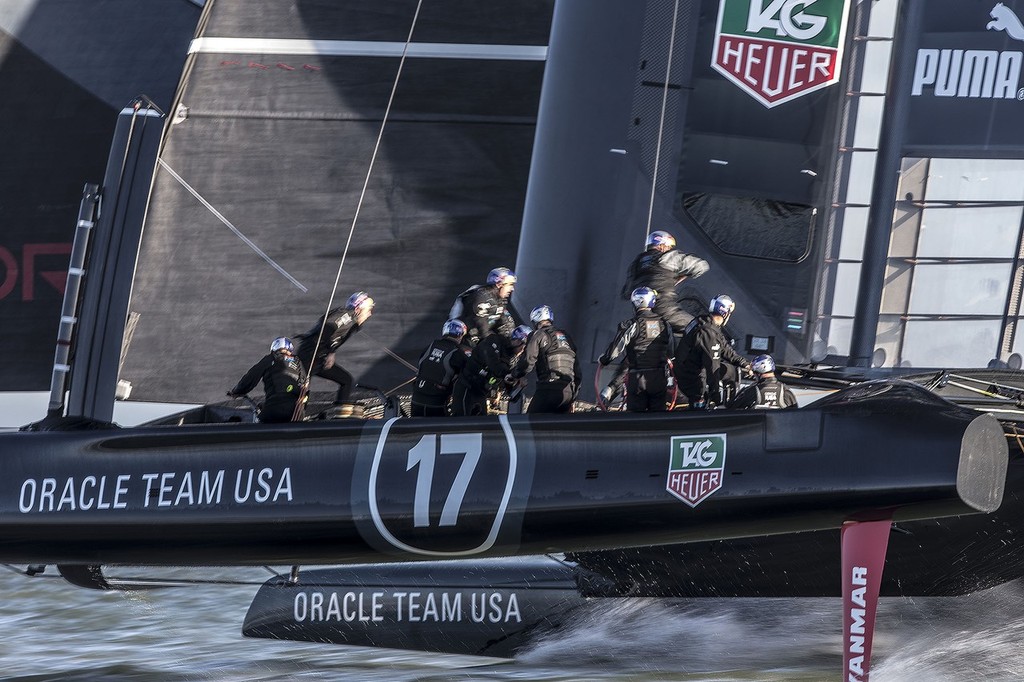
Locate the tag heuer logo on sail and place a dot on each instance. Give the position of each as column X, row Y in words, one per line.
column 778, row 50
column 696, row 467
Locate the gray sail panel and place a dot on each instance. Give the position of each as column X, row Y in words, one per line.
column 66, row 69
column 522, row 22
column 281, row 155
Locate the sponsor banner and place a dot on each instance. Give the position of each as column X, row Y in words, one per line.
column 779, row 50
column 696, row 467
column 863, row 557
column 967, row 89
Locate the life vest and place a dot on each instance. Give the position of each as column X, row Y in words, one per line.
column 558, row 360
column 436, row 371
column 650, row 347
column 284, row 379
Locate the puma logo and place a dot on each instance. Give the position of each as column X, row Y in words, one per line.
column 1004, row 19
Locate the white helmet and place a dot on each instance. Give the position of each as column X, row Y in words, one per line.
column 454, row 328
column 521, row 333
column 542, row 313
column 501, row 276
column 722, row 305
column 763, row 364
column 282, row 343
column 643, row 297
column 661, row 238
column 359, row 300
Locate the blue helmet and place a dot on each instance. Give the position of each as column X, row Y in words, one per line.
column 661, row 238
column 763, row 364
column 500, row 276
column 643, row 297
column 282, row 343
column 359, row 300
column 542, row 313
column 454, row 328
column 722, row 305
column 521, row 333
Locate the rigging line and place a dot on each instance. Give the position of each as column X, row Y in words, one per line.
column 238, row 233
column 402, row 360
column 366, row 183
column 391, row 391
column 661, row 121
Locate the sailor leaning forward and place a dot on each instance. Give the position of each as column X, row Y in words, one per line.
column 327, row 335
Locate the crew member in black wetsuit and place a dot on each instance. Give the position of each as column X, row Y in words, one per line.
column 661, row 267
column 704, row 354
column 551, row 351
column 767, row 392
column 484, row 308
column 282, row 376
column 645, row 339
column 327, row 335
column 489, row 363
column 439, row 366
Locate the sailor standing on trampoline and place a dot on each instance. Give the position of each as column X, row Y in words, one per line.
column 704, row 356
column 647, row 342
column 661, row 267
column 439, row 366
column 327, row 335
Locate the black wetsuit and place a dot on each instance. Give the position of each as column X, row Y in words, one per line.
column 662, row 271
column 552, row 352
column 702, row 362
column 439, row 366
column 768, row 392
column 645, row 340
column 282, row 377
column 338, row 326
column 483, row 312
column 486, row 367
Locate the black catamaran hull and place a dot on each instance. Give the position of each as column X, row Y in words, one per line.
column 461, row 488
column 483, row 607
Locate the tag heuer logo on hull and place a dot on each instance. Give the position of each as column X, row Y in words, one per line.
column 778, row 50
column 696, row 467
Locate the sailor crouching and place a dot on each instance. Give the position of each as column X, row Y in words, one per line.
column 282, row 375
column 552, row 353
column 767, row 392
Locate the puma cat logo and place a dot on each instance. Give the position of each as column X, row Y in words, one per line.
column 1004, row 19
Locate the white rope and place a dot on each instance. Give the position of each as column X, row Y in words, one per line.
column 227, row 223
column 366, row 182
column 661, row 121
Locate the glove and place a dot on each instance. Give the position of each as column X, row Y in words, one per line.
column 604, row 361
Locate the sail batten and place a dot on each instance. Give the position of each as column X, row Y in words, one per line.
column 365, row 48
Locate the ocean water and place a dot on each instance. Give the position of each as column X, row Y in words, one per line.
column 50, row 630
